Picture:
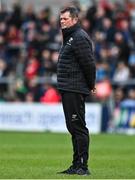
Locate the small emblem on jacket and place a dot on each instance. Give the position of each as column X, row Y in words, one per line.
column 69, row 41
column 74, row 117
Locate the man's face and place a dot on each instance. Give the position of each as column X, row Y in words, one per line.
column 66, row 20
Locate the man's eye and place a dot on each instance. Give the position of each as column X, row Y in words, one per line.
column 64, row 19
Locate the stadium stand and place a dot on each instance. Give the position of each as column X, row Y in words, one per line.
column 30, row 41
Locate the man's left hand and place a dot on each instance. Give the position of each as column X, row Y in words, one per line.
column 93, row 91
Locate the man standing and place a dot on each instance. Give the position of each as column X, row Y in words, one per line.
column 76, row 79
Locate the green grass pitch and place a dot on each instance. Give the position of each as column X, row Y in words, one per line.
column 42, row 155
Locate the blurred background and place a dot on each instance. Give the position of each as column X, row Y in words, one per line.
column 30, row 39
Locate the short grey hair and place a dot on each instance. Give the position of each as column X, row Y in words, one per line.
column 74, row 13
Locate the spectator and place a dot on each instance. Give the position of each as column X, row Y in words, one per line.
column 32, row 68
column 50, row 96
column 15, row 17
column 119, row 95
column 108, row 29
column 131, row 62
column 122, row 72
column 29, row 97
column 3, row 73
column 131, row 94
column 102, row 71
column 122, row 46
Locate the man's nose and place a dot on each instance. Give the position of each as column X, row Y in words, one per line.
column 62, row 20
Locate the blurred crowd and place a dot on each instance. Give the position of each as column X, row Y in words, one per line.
column 30, row 43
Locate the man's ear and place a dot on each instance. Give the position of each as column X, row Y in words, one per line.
column 75, row 20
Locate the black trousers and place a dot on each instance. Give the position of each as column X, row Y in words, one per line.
column 74, row 110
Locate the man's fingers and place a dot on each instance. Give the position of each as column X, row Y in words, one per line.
column 93, row 91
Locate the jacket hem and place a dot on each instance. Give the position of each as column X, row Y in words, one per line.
column 73, row 90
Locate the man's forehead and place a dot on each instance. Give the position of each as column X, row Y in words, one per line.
column 65, row 14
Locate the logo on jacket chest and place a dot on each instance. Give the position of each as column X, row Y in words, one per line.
column 70, row 41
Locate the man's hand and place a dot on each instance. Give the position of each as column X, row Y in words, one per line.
column 93, row 91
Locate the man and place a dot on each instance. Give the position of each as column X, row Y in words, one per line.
column 76, row 79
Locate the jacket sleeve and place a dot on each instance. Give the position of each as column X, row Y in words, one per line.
column 83, row 51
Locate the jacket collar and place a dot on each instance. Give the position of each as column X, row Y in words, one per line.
column 68, row 31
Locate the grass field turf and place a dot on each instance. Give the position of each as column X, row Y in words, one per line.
column 42, row 155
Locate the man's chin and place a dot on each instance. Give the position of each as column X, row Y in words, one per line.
column 64, row 27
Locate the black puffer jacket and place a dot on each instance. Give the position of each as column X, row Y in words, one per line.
column 76, row 65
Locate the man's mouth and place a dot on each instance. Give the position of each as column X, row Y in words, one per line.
column 63, row 26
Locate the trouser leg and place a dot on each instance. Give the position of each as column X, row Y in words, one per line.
column 74, row 110
column 75, row 151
